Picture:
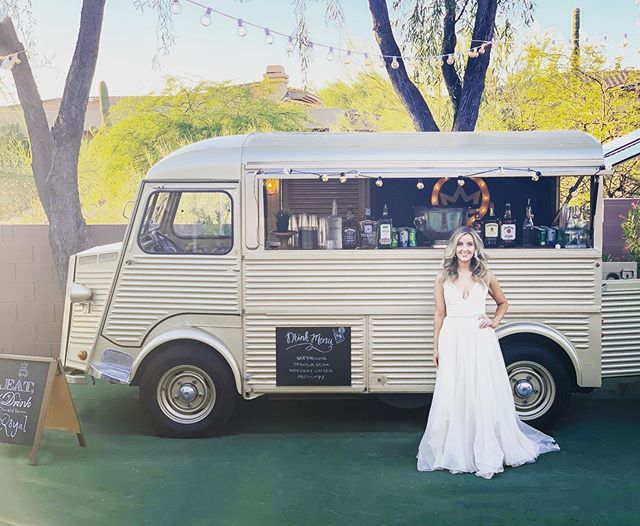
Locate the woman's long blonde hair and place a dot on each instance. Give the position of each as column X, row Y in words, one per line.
column 478, row 263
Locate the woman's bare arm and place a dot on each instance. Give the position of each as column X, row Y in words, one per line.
column 495, row 291
column 438, row 317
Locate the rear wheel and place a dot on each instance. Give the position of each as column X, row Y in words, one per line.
column 189, row 391
column 540, row 383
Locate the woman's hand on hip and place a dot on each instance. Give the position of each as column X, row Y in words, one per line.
column 485, row 322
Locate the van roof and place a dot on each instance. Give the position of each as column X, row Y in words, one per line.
column 392, row 154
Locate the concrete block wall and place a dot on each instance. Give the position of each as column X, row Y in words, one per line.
column 30, row 298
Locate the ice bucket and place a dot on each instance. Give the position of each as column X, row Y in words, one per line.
column 438, row 223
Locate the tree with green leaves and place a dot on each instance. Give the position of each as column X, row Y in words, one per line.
column 142, row 130
column 552, row 90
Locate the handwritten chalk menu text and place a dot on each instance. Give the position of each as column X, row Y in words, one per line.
column 313, row 356
column 22, row 387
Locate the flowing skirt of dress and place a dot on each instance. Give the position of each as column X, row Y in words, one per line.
column 473, row 426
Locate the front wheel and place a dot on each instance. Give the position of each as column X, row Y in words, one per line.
column 539, row 381
column 189, row 391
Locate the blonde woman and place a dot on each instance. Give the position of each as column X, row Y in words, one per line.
column 472, row 426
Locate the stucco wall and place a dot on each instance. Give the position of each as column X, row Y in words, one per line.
column 30, row 298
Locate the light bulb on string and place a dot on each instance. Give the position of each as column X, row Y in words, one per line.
column 241, row 30
column 290, row 45
column 205, row 19
column 268, row 37
column 460, row 180
column 367, row 60
column 450, row 59
column 347, row 58
column 536, row 176
column 625, row 41
column 483, row 48
column 330, row 55
column 324, row 178
column 379, row 182
column 420, row 185
column 394, row 63
column 473, row 53
column 176, row 7
column 343, row 177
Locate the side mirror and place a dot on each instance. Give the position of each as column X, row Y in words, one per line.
column 126, row 211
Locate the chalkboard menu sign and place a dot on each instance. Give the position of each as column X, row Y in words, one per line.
column 22, row 388
column 317, row 356
column 34, row 395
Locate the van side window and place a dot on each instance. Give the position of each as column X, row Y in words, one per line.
column 187, row 223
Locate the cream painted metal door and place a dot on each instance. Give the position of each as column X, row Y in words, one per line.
column 182, row 257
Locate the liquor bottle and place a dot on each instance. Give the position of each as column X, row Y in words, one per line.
column 528, row 232
column 477, row 224
column 368, row 231
column 491, row 228
column 350, row 231
column 334, row 228
column 385, row 226
column 507, row 228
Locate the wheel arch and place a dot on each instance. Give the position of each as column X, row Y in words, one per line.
column 181, row 336
column 547, row 336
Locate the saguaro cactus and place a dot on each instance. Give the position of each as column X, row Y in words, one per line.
column 104, row 102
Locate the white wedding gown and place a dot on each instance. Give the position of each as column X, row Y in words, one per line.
column 473, row 426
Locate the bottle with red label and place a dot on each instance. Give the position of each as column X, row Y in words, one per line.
column 507, row 228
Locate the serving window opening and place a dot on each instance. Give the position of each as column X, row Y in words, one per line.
column 370, row 212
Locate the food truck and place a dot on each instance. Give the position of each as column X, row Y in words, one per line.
column 304, row 263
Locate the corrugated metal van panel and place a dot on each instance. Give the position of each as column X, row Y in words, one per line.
column 402, row 348
column 153, row 287
column 621, row 328
column 260, row 350
column 95, row 272
column 376, row 282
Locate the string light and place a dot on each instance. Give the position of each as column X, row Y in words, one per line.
column 379, row 182
column 176, row 7
column 460, row 180
column 330, row 55
column 536, row 176
column 268, row 37
column 324, row 178
column 343, row 177
column 242, row 31
column 479, row 47
column 205, row 19
column 420, row 185
column 347, row 58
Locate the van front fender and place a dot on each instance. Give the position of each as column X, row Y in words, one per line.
column 550, row 333
column 193, row 334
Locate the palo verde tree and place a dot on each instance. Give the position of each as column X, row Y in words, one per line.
column 54, row 152
column 430, row 22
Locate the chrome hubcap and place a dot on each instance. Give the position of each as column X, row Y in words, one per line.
column 186, row 394
column 533, row 388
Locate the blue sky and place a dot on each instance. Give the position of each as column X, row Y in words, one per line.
column 128, row 41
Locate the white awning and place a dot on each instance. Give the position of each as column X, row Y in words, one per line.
column 622, row 149
column 441, row 154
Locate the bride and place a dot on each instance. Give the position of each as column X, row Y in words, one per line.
column 472, row 426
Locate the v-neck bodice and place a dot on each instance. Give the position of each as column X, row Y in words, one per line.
column 460, row 307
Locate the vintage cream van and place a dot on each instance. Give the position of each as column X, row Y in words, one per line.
column 202, row 303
